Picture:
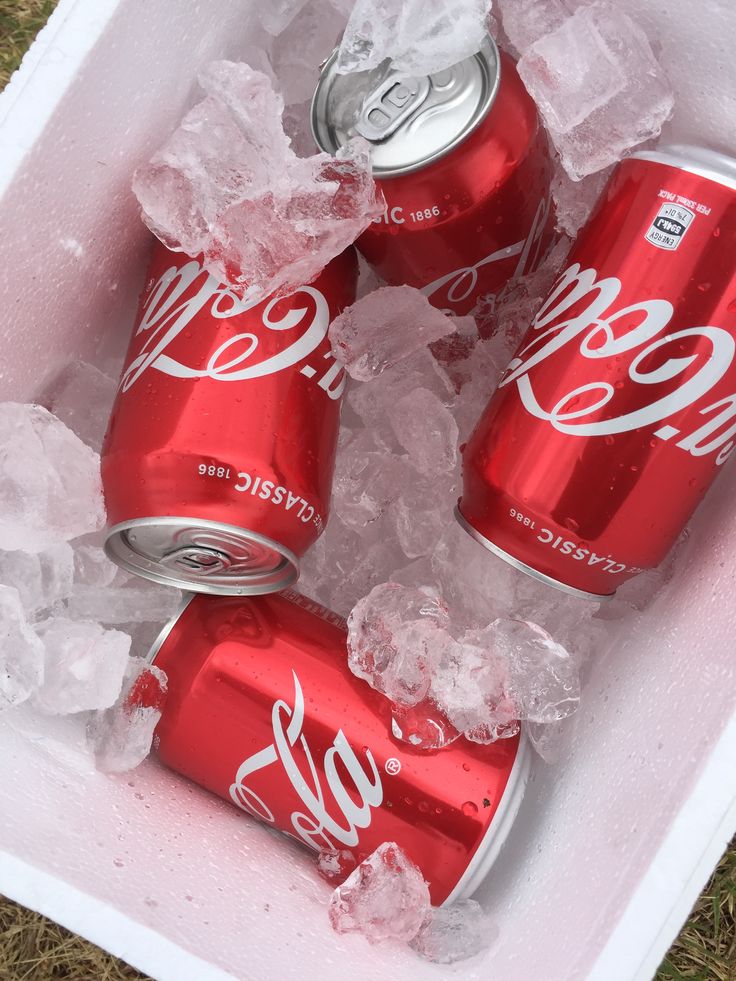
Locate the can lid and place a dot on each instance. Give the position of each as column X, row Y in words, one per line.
column 711, row 164
column 410, row 120
column 203, row 556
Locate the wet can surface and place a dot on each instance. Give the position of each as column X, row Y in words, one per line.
column 465, row 168
column 263, row 711
column 619, row 408
column 217, row 465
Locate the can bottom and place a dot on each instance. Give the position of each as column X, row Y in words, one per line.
column 202, row 556
column 499, row 828
column 523, row 567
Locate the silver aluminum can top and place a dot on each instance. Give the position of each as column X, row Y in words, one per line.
column 202, row 556
column 409, row 120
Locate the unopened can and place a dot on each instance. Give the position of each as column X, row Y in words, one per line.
column 263, row 711
column 217, row 465
column 619, row 408
column 464, row 165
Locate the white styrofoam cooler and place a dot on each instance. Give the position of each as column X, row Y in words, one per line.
column 612, row 846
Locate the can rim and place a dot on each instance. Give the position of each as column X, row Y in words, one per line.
column 163, row 634
column 523, row 567
column 321, row 94
column 122, row 554
column 702, row 161
column 495, row 835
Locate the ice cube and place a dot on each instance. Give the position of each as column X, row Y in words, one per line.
column 92, row 566
column 422, row 511
column 50, row 489
column 369, row 567
column 390, row 640
column 526, row 21
column 468, row 684
column 365, row 482
column 385, row 898
column 84, row 666
column 276, row 15
column 372, row 401
column 543, row 677
column 455, row 933
column 575, row 200
column 425, row 428
column 423, row 726
column 419, row 36
column 137, row 601
column 300, row 50
column 576, row 70
column 335, row 864
column 598, row 86
column 551, row 740
column 383, row 327
column 41, row 578
column 21, row 652
column 228, row 185
column 121, row 736
column 82, row 398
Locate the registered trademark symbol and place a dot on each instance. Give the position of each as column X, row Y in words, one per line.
column 393, row 766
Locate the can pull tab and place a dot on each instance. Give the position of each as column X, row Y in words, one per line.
column 386, row 108
column 195, row 558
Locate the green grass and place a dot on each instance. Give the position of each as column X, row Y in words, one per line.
column 20, row 21
column 33, row 948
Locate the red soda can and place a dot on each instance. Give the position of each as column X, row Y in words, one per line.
column 263, row 711
column 464, row 165
column 619, row 407
column 217, row 464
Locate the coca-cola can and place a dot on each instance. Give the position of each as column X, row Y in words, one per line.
column 217, row 464
column 263, row 711
column 619, row 408
column 465, row 168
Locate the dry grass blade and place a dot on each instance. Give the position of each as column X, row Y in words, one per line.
column 706, row 947
column 33, row 948
column 20, row 21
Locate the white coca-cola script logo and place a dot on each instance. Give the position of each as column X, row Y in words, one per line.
column 581, row 310
column 177, row 297
column 315, row 825
column 461, row 283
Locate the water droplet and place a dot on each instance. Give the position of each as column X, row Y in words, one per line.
column 609, row 440
column 572, row 524
column 423, row 806
column 717, row 232
column 466, row 767
column 469, row 809
column 704, row 287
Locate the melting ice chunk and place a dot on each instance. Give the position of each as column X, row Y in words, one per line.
column 419, row 36
column 384, row 327
column 121, row 736
column 41, row 578
column 385, row 898
column 21, row 652
column 82, row 398
column 426, row 429
column 455, row 933
column 134, row 602
column 50, row 489
column 598, row 86
column 391, row 633
column 228, row 185
column 84, row 666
